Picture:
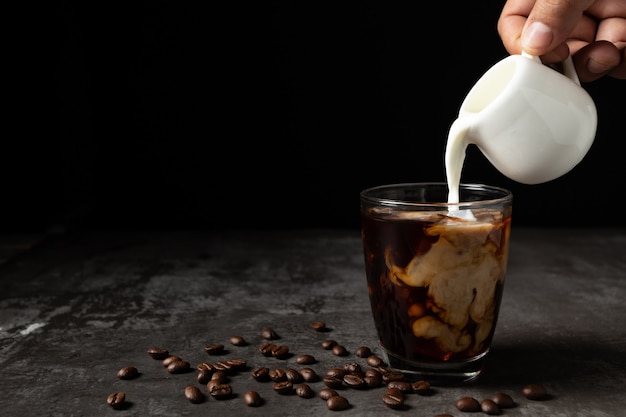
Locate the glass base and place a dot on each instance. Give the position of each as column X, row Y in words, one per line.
column 438, row 374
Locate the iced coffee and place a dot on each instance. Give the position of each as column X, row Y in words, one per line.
column 435, row 275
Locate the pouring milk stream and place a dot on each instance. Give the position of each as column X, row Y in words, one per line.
column 533, row 123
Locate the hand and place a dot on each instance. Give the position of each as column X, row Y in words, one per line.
column 592, row 31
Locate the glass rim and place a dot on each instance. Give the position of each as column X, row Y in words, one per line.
column 505, row 195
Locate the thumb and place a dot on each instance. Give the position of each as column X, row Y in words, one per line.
column 550, row 23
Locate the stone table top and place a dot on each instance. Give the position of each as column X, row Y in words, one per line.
column 77, row 308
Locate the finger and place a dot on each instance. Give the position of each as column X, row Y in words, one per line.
column 597, row 59
column 550, row 23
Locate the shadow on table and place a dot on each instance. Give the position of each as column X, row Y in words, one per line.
column 576, row 361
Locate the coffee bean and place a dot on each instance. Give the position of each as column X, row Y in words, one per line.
column 392, row 376
column 283, row 387
column 282, row 352
column 393, row 398
column 328, row 344
column 204, row 375
column 305, row 359
column 305, row 391
column 339, row 350
column 373, row 378
column 128, row 372
column 220, row 391
column 319, row 326
column 326, row 393
column 336, row 373
column 293, row 376
column 158, row 353
column 535, row 392
column 173, row 358
column 117, row 400
column 278, row 375
column 490, row 407
column 374, row 361
column 363, row 352
column 503, row 400
column 238, row 341
column 269, row 334
column 308, row 374
column 403, row 386
column 219, row 376
column 352, row 367
column 337, row 403
column 333, row 382
column 421, row 387
column 261, row 374
column 222, row 366
column 178, row 367
column 237, row 364
column 252, row 399
column 193, row 394
column 266, row 349
column 354, row 381
column 214, row 349
column 467, row 404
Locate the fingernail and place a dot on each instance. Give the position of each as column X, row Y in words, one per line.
column 537, row 36
column 597, row 67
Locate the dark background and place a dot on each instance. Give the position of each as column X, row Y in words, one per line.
column 270, row 115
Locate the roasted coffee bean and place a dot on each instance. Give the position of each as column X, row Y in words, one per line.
column 393, row 398
column 252, row 399
column 220, row 391
column 373, row 378
column 304, row 391
column 193, row 394
column 173, row 358
column 238, row 341
column 535, row 392
column 421, row 387
column 128, row 372
column 178, row 367
column 337, row 403
column 354, row 381
column 222, row 366
column 219, row 376
column 503, row 400
column 319, row 326
column 374, row 361
column 283, row 387
column 392, row 376
column 117, row 400
column 363, row 352
column 336, row 372
column 489, row 407
column 266, row 349
column 305, row 359
column 158, row 353
column 261, row 373
column 278, row 375
column 203, row 376
column 326, row 393
column 293, row 376
column 214, row 349
column 328, row 344
column 237, row 364
column 282, row 352
column 308, row 374
column 339, row 350
column 467, row 404
column 403, row 386
column 333, row 382
column 205, row 366
column 269, row 334
column 352, row 367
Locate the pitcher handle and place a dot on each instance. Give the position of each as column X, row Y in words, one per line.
column 568, row 66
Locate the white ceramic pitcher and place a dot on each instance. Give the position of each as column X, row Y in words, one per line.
column 533, row 123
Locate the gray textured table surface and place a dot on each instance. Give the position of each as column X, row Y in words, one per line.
column 74, row 310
